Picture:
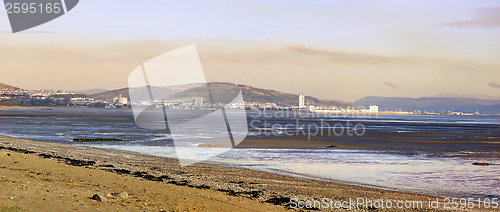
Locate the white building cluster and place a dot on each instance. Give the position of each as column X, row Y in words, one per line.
column 120, row 100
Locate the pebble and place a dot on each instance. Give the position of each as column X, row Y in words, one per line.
column 100, row 197
column 122, row 195
column 4, row 154
column 109, row 196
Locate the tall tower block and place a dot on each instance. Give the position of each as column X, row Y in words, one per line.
column 302, row 99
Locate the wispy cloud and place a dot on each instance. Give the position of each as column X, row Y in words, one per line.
column 485, row 17
column 302, row 49
column 494, row 85
column 390, row 84
column 391, row 61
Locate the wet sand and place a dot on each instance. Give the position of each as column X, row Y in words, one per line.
column 299, row 142
column 403, row 141
column 50, row 176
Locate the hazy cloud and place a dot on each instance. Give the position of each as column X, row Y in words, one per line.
column 355, row 59
column 86, row 65
column 494, row 85
column 390, row 84
column 302, row 49
column 485, row 17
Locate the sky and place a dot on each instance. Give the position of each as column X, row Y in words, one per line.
column 336, row 50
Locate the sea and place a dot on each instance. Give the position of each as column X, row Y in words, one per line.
column 431, row 155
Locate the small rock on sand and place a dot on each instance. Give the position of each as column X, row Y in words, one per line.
column 4, row 154
column 122, row 195
column 109, row 196
column 100, row 197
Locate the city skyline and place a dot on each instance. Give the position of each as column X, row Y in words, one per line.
column 340, row 51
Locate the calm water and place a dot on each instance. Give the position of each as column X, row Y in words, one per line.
column 424, row 154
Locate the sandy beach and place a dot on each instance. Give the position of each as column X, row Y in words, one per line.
column 49, row 176
column 36, row 183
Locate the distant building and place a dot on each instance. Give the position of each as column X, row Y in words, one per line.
column 373, row 109
column 312, row 108
column 199, row 101
column 269, row 105
column 302, row 99
column 120, row 100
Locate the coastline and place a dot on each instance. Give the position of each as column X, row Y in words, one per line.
column 5, row 107
column 267, row 190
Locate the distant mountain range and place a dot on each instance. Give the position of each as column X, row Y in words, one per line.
column 436, row 104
